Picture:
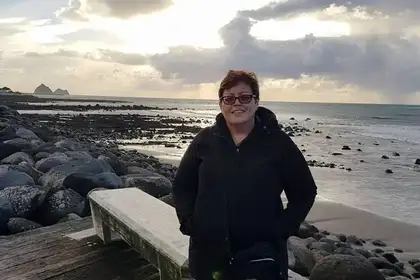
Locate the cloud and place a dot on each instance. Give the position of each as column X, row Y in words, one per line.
column 79, row 10
column 73, row 11
column 384, row 63
column 295, row 7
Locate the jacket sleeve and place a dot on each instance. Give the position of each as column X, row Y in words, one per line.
column 184, row 189
column 299, row 186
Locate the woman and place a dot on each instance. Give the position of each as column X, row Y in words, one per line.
column 228, row 185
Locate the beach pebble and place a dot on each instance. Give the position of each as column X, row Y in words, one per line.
column 352, row 239
column 385, row 157
column 378, row 242
column 345, row 267
column 390, row 257
column 345, row 147
column 389, row 171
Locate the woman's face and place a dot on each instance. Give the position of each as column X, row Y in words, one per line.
column 233, row 110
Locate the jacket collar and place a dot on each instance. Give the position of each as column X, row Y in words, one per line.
column 265, row 120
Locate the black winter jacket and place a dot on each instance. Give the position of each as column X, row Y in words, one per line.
column 227, row 197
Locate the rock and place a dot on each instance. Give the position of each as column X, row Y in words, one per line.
column 345, row 147
column 306, row 230
column 42, row 89
column 390, row 257
column 17, row 158
column 364, row 252
column 352, row 239
column 10, row 178
column 6, row 212
column 395, row 154
column 69, row 145
column 347, row 251
column 416, row 266
column 44, row 165
column 378, row 242
column 70, row 217
column 388, row 272
column 385, row 157
column 7, row 132
column 381, row 262
column 151, row 183
column 323, row 246
column 7, row 150
column 389, row 171
column 320, row 255
column 398, row 250
column 83, row 183
column 24, row 200
column 342, row 237
column 398, row 278
column 82, row 155
column 40, row 155
column 305, row 260
column 55, row 176
column 119, row 167
column 345, row 267
column 17, row 225
column 59, row 204
column 27, row 134
column 19, row 143
column 417, row 161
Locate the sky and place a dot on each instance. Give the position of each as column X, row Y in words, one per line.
column 357, row 51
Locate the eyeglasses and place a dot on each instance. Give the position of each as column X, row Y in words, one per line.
column 243, row 99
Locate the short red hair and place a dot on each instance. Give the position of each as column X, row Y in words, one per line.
column 234, row 77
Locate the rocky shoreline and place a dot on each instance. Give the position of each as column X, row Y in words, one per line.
column 49, row 163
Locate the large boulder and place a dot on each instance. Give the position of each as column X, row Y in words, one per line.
column 10, row 178
column 149, row 182
column 55, row 176
column 25, row 133
column 6, row 212
column 7, row 150
column 305, row 260
column 24, row 200
column 45, row 164
column 17, row 225
column 58, row 205
column 345, row 267
column 83, row 183
column 17, row 158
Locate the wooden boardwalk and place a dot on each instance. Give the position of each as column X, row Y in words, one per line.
column 57, row 252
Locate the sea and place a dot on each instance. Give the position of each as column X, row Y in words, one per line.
column 376, row 129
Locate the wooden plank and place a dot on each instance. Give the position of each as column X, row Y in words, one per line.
column 149, row 225
column 51, row 253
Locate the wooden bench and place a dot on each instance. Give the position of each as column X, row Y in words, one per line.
column 147, row 224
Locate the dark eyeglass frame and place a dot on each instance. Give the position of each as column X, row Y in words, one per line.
column 234, row 98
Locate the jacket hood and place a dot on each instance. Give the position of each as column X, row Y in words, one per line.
column 263, row 116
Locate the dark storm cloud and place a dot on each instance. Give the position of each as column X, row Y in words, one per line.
column 385, row 63
column 296, row 7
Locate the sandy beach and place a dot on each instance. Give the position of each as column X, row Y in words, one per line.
column 337, row 218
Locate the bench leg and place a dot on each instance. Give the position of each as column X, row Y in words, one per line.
column 102, row 229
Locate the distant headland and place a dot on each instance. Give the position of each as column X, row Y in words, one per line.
column 41, row 90
column 45, row 90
